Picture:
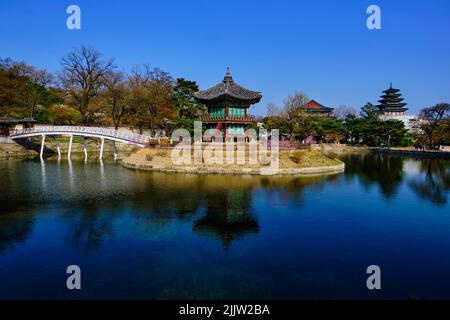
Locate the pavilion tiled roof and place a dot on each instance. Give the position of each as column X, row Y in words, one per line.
column 227, row 90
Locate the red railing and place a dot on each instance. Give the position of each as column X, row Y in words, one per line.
column 224, row 119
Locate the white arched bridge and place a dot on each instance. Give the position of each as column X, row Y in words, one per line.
column 85, row 132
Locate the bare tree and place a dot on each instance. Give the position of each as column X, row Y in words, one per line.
column 293, row 110
column 39, row 76
column 273, row 110
column 116, row 96
column 433, row 120
column 82, row 76
column 138, row 81
column 151, row 97
column 343, row 111
column 294, row 103
column 42, row 77
column 160, row 97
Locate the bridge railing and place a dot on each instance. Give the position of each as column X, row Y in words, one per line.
column 118, row 134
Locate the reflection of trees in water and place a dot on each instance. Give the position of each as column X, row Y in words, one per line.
column 142, row 204
column 151, row 202
column 16, row 217
column 290, row 189
column 229, row 215
column 432, row 184
column 89, row 227
column 434, row 181
column 220, row 206
column 383, row 170
column 14, row 230
column 96, row 209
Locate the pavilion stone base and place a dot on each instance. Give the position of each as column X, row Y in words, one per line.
column 237, row 171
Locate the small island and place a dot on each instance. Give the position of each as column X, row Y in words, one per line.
column 229, row 125
column 291, row 162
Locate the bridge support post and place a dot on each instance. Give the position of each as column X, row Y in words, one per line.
column 70, row 147
column 115, row 150
column 42, row 146
column 85, row 148
column 58, row 146
column 101, row 148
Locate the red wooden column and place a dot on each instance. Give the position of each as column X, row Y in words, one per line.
column 226, row 125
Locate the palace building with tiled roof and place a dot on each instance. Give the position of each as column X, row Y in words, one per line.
column 228, row 105
column 391, row 103
column 314, row 107
column 392, row 107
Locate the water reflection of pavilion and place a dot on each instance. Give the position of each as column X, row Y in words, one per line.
column 228, row 216
column 99, row 203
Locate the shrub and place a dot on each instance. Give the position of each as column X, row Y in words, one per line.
column 296, row 156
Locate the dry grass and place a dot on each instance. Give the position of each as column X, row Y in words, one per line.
column 313, row 158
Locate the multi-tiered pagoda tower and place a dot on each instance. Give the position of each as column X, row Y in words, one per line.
column 391, row 103
column 228, row 105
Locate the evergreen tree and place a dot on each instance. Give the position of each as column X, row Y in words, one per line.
column 369, row 111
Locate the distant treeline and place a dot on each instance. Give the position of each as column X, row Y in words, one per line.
column 90, row 90
column 346, row 125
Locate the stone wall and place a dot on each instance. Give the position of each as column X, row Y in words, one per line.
column 240, row 171
column 338, row 148
column 9, row 148
column 160, row 160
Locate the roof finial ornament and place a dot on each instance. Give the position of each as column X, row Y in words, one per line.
column 228, row 77
column 391, row 85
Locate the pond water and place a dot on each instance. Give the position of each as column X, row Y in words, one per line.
column 176, row 236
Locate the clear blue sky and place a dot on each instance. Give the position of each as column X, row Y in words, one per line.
column 321, row 47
